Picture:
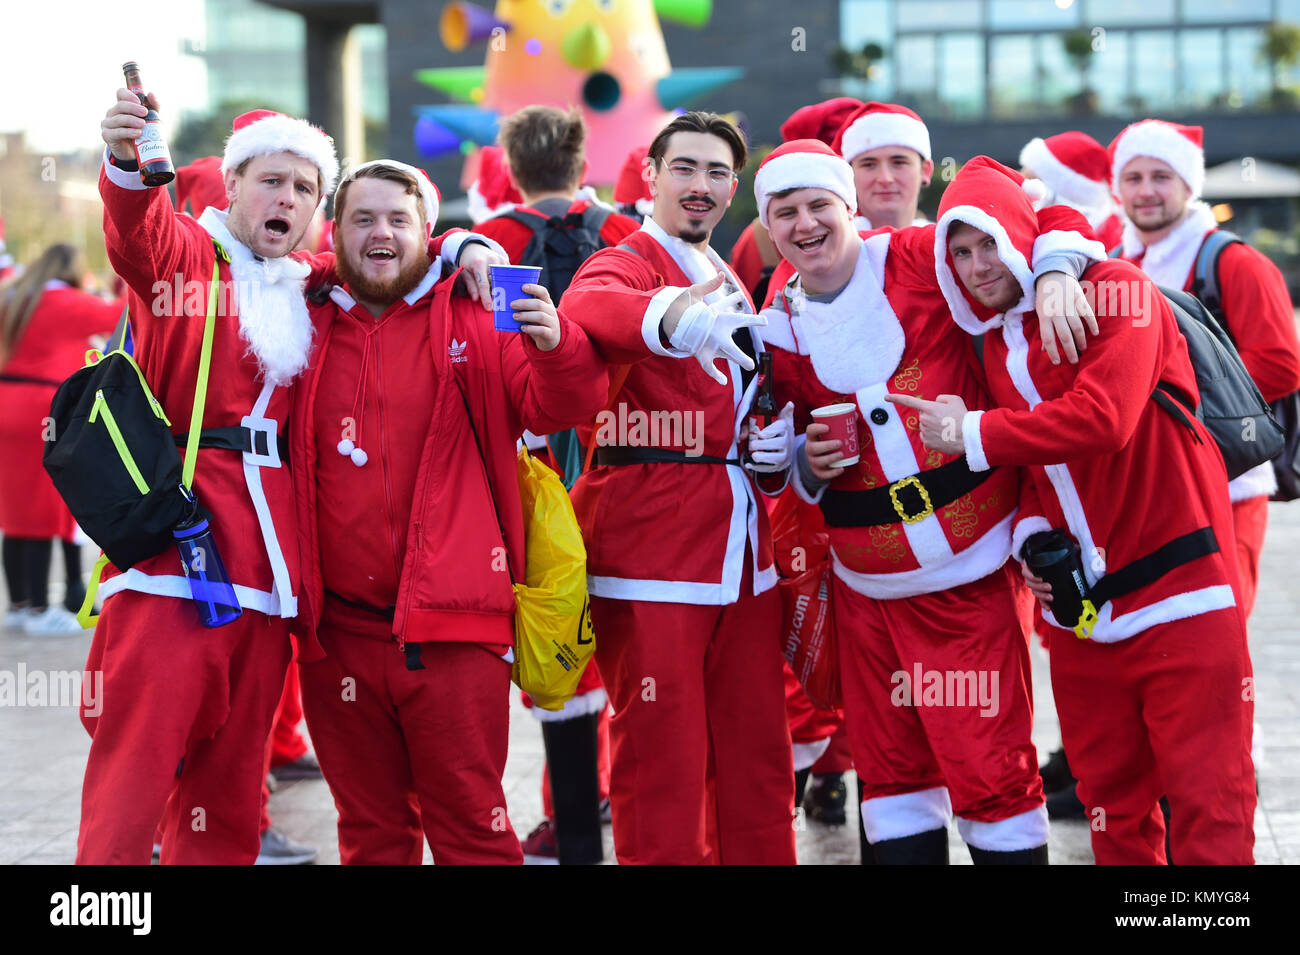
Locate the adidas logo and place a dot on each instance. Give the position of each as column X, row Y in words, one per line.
column 456, row 351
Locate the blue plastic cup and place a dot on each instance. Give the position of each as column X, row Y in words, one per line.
column 508, row 283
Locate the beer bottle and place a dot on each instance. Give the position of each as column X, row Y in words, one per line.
column 763, row 411
column 151, row 151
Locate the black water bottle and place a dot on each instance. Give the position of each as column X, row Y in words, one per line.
column 210, row 586
column 1053, row 556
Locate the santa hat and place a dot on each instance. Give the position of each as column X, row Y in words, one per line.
column 881, row 124
column 492, row 192
column 429, row 194
column 200, row 183
column 261, row 132
column 999, row 201
column 1179, row 146
column 1074, row 166
column 803, row 164
column 820, row 120
column 632, row 187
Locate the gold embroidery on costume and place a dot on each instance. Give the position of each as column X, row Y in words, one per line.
column 909, row 379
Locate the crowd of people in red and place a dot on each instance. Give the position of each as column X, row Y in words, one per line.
column 995, row 396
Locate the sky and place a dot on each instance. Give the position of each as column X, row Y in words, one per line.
column 61, row 61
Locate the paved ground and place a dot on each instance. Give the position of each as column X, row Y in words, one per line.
column 43, row 747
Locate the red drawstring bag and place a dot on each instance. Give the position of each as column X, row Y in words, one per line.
column 802, row 548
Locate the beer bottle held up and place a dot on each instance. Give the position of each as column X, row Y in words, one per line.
column 763, row 411
column 151, row 151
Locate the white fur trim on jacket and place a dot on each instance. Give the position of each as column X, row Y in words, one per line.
column 273, row 134
column 1012, row 257
column 804, row 171
column 584, row 704
column 120, row 177
column 806, row 754
column 1060, row 179
column 885, row 129
column 1160, row 141
column 970, row 436
column 1259, row 481
column 1026, row 529
column 907, row 814
column 1059, row 240
column 1169, row 262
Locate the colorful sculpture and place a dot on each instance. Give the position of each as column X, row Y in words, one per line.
column 605, row 56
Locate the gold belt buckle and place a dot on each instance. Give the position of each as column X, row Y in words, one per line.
column 915, row 482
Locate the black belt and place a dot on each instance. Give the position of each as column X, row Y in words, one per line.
column 236, row 438
column 1147, row 570
column 388, row 613
column 908, row 500
column 616, row 455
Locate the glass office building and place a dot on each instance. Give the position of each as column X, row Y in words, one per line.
column 968, row 60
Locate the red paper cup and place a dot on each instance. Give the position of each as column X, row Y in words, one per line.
column 842, row 419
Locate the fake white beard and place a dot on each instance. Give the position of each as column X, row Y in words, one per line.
column 273, row 315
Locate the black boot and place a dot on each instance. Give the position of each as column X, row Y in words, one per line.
column 1065, row 804
column 575, row 788
column 868, row 857
column 826, row 801
column 800, row 784
column 1056, row 772
column 924, row 848
column 1035, row 856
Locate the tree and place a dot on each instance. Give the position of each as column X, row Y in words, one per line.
column 855, row 63
column 200, row 136
column 1280, row 49
column 1078, row 47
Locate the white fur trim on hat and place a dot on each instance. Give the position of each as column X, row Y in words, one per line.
column 804, row 170
column 428, row 191
column 1063, row 181
column 1164, row 142
column 951, row 286
column 278, row 133
column 884, row 129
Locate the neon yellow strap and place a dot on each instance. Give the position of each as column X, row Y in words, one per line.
column 100, row 408
column 205, row 363
column 84, row 616
column 1087, row 620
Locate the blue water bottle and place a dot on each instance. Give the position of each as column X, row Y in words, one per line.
column 210, row 586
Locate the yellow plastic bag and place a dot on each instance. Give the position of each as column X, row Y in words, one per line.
column 553, row 635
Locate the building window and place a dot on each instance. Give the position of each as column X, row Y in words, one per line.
column 1012, row 79
column 928, row 15
column 961, row 75
column 1020, row 14
column 1226, row 11
column 1155, row 72
column 1110, row 13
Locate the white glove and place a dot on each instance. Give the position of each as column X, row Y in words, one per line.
column 705, row 331
column 772, row 449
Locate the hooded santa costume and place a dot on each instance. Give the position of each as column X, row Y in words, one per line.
column 681, row 576
column 1255, row 306
column 187, row 709
column 1158, row 699
column 1076, row 170
column 922, row 579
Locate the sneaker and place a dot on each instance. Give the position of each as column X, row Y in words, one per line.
column 50, row 621
column 826, row 799
column 304, row 767
column 606, row 814
column 1056, row 772
column 279, row 849
column 1064, row 804
column 540, row 847
column 16, row 618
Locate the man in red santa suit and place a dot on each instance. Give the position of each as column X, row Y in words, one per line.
column 920, row 544
column 187, row 709
column 888, row 147
column 679, row 555
column 1076, row 170
column 1159, row 171
column 413, row 529
column 1155, row 693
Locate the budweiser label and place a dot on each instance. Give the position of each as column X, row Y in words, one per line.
column 151, row 147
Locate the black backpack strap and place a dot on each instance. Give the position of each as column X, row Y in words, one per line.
column 1175, row 402
column 1205, row 274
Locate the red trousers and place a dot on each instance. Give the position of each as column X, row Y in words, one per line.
column 182, row 735
column 701, row 751
column 1249, row 521
column 966, row 726
column 412, row 754
column 287, row 743
column 1166, row 712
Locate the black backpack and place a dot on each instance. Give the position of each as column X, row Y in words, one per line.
column 1286, row 410
column 1231, row 407
column 561, row 244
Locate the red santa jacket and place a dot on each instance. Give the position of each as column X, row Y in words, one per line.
column 1256, row 310
column 889, row 331
column 1106, row 462
column 52, row 347
column 452, row 585
column 672, row 532
column 515, row 236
